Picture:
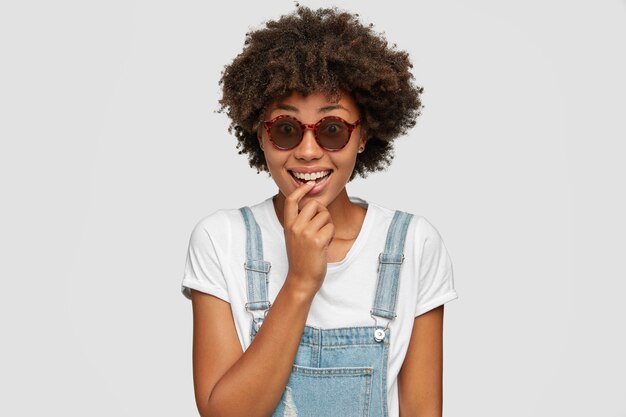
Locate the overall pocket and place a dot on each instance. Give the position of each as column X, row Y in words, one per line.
column 315, row 392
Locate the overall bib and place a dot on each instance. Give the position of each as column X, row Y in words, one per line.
column 342, row 371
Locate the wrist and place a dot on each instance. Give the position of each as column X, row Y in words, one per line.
column 295, row 286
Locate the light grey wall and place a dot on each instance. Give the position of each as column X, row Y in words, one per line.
column 111, row 152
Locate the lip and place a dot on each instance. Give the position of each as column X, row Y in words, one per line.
column 306, row 170
column 318, row 188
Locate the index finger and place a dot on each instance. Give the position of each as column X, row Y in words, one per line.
column 291, row 202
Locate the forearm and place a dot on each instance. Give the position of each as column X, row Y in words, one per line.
column 255, row 383
column 420, row 381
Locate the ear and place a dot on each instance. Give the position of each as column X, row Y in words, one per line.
column 362, row 134
column 363, row 139
column 259, row 137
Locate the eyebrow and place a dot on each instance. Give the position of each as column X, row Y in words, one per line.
column 332, row 107
column 325, row 109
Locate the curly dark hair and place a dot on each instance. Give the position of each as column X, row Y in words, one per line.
column 325, row 50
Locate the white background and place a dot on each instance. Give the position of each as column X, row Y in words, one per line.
column 111, row 151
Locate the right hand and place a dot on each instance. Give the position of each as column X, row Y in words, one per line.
column 307, row 237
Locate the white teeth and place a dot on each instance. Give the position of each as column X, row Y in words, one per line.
column 310, row 175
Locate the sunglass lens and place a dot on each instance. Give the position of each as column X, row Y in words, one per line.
column 333, row 134
column 286, row 133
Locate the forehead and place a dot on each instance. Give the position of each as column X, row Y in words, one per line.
column 317, row 102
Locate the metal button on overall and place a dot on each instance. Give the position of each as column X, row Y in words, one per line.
column 379, row 335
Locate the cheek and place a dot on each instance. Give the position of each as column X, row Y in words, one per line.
column 274, row 161
column 348, row 162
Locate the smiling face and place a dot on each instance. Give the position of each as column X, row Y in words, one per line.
column 308, row 160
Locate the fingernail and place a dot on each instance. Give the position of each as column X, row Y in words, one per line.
column 310, row 183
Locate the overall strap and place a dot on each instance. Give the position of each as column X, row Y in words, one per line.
column 256, row 268
column 389, row 263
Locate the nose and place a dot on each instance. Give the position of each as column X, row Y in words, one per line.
column 308, row 149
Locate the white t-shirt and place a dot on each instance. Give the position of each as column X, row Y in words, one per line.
column 217, row 252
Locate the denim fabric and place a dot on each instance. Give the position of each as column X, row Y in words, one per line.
column 257, row 269
column 389, row 263
column 337, row 372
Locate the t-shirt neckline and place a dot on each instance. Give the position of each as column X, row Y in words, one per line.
column 358, row 242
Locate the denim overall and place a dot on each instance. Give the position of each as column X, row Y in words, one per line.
column 337, row 372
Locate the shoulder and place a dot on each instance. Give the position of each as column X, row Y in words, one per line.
column 419, row 224
column 425, row 230
column 216, row 221
column 224, row 223
column 420, row 231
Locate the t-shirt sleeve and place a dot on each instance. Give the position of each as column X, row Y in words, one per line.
column 203, row 271
column 436, row 277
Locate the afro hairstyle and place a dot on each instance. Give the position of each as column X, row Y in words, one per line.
column 329, row 51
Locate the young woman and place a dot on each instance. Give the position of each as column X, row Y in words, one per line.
column 312, row 302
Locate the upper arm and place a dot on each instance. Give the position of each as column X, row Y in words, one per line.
column 216, row 346
column 420, row 378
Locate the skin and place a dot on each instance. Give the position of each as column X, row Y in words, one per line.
column 346, row 217
column 319, row 228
